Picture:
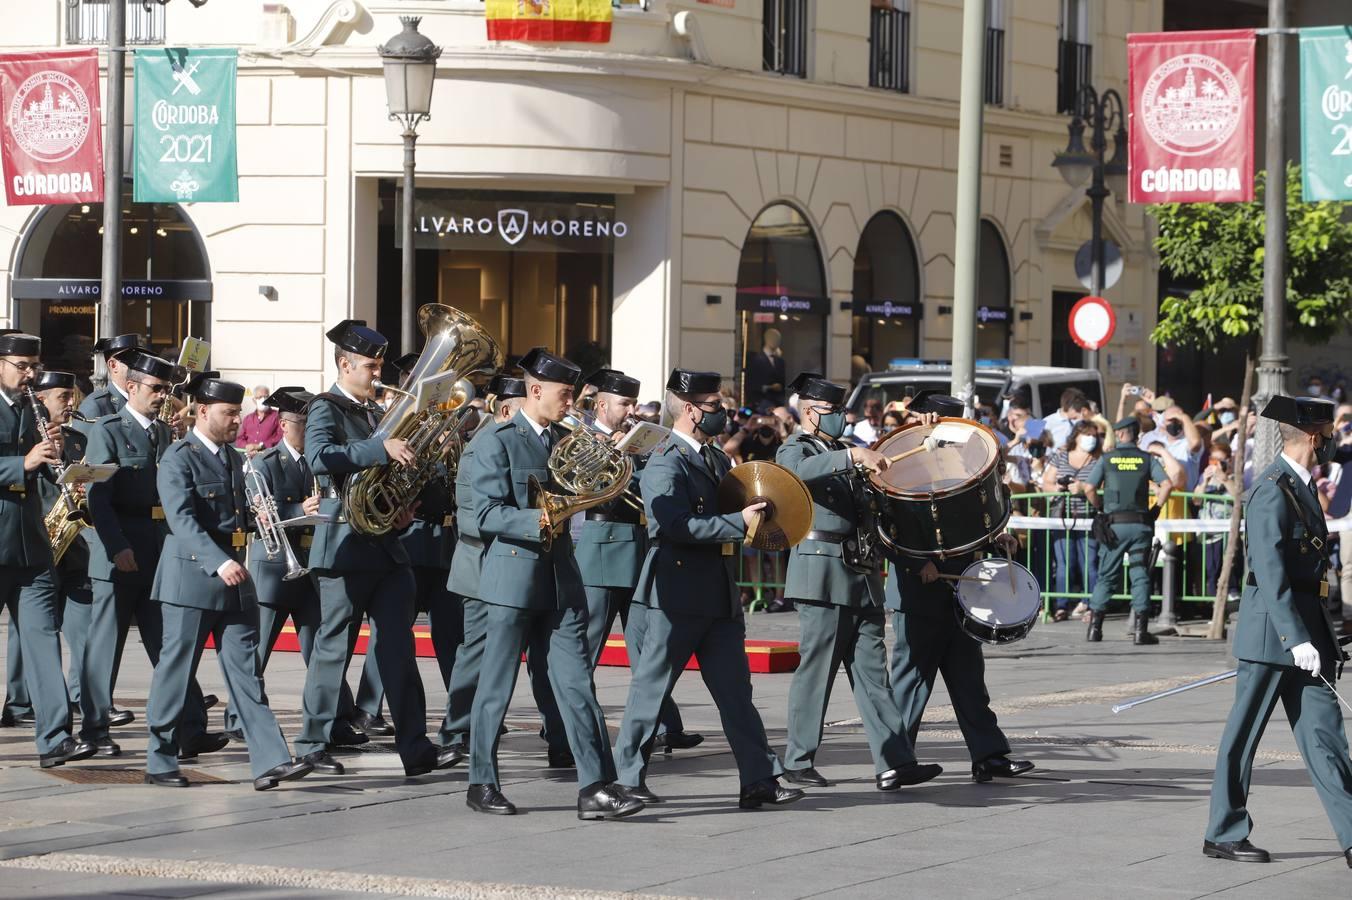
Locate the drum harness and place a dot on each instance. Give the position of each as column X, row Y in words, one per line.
column 859, row 548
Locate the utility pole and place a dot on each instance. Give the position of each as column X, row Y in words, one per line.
column 1272, row 362
column 110, row 293
column 966, row 252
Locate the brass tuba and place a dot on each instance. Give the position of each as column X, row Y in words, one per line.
column 374, row 498
column 589, row 467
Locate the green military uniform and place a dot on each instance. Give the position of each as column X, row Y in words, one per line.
column 72, row 574
column 202, row 489
column 536, row 599
column 1126, row 473
column 357, row 575
column 27, row 581
column 109, row 399
column 127, row 515
column 1280, row 610
column 688, row 585
column 840, row 610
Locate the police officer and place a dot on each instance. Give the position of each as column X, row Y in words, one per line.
column 930, row 642
column 359, row 574
column 536, row 597
column 610, row 551
column 117, row 352
column 204, row 589
column 27, row 581
column 1119, row 485
column 56, row 391
column 124, row 549
column 835, row 580
column 687, row 583
column 1285, row 641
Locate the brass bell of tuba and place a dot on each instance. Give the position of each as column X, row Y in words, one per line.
column 374, row 498
column 586, row 465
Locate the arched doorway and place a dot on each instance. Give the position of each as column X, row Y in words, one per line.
column 166, row 281
column 994, row 310
column 781, row 287
column 887, row 304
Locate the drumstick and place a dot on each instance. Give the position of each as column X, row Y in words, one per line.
column 975, row 578
column 930, row 444
column 754, row 525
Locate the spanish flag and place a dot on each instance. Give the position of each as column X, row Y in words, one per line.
column 548, row 20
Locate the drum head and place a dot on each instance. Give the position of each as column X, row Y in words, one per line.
column 963, row 451
column 996, row 599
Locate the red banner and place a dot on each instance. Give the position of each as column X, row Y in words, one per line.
column 1191, row 116
column 49, row 134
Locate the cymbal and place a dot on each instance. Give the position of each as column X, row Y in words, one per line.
column 787, row 517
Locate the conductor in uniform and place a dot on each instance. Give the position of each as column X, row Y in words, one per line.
column 536, row 597
column 611, row 548
column 836, row 582
column 204, row 588
column 930, row 642
column 1285, row 641
column 359, row 574
column 688, row 585
column 1119, row 485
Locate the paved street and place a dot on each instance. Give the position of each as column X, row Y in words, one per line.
column 1116, row 808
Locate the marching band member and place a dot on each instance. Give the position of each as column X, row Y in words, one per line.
column 359, row 574
column 610, row 553
column 124, row 550
column 929, row 642
column 536, row 597
column 688, row 585
column 27, row 580
column 56, row 391
column 117, row 352
column 838, row 589
column 204, row 590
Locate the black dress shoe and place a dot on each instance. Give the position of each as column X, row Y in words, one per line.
column 7, row 719
column 342, row 734
column 207, row 742
column 235, row 734
column 166, row 779
column 1141, row 635
column 999, row 767
column 562, row 759
column 808, row 776
column 640, row 793
column 767, row 791
column 451, row 755
column 914, row 773
column 107, row 747
column 209, row 700
column 486, row 798
column 322, row 763
column 603, row 801
column 69, row 750
column 433, row 757
column 27, row 717
column 678, row 740
column 1235, row 851
column 1347, row 855
column 287, row 771
column 376, row 726
column 119, row 717
column 1095, row 632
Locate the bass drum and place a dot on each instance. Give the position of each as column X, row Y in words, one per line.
column 998, row 601
column 943, row 495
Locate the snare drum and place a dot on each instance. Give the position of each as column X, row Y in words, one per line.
column 942, row 502
column 1001, row 605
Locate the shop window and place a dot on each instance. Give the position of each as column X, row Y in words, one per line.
column 993, row 310
column 887, row 305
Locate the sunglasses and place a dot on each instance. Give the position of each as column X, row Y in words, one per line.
column 153, row 388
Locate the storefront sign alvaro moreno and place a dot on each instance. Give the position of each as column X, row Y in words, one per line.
column 49, row 127
column 450, row 220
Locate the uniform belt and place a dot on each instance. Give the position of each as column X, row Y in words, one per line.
column 1318, row 588
column 596, row 515
column 1129, row 517
column 139, row 512
column 829, row 537
column 470, row 541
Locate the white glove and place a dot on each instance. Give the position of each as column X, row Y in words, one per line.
column 1306, row 657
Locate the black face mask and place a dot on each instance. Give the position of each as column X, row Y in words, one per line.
column 713, row 423
column 1174, row 428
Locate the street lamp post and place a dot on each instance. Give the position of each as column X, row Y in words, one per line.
column 410, row 63
column 1103, row 113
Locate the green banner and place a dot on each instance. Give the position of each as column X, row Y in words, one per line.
column 1326, row 113
column 185, row 126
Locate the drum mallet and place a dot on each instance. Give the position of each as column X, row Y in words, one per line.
column 929, row 444
column 978, row 579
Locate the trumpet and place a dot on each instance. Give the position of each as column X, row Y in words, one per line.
column 267, row 523
column 70, row 513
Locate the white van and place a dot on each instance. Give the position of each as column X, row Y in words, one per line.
column 997, row 382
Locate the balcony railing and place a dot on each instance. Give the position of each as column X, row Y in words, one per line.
column 785, row 45
column 889, row 49
column 87, row 22
column 1072, row 73
column 995, row 66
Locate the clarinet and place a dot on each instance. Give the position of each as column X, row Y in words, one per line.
column 59, row 467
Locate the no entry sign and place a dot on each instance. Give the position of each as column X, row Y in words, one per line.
column 1092, row 322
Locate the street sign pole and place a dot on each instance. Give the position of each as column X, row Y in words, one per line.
column 966, row 255
column 1272, row 363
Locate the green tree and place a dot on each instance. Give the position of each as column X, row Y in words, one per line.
column 1219, row 247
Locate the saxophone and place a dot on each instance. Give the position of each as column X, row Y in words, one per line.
column 70, row 513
